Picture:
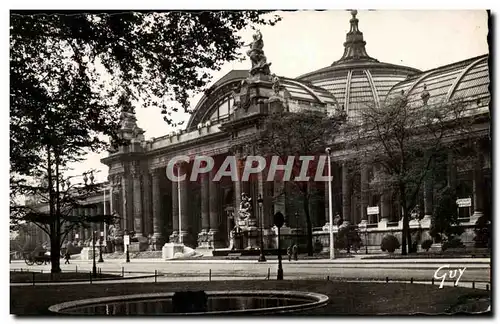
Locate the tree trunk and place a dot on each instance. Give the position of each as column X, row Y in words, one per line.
column 405, row 235
column 55, row 245
column 309, row 226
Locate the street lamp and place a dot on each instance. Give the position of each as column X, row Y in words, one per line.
column 126, row 241
column 366, row 239
column 94, row 267
column 297, row 229
column 330, row 204
column 260, row 201
column 100, row 248
column 179, row 201
column 279, row 220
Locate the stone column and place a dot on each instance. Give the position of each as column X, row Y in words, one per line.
column 365, row 190
column 127, row 202
column 280, row 200
column 100, row 226
column 385, row 202
column 71, row 236
column 95, row 226
column 147, row 205
column 428, row 199
column 263, row 190
column 137, row 201
column 205, row 210
column 88, row 231
column 81, row 214
column 478, row 185
column 156, row 205
column 175, row 213
column 205, row 203
column 238, row 188
column 452, row 171
column 346, row 194
column 213, row 234
column 184, row 191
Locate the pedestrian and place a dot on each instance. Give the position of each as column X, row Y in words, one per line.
column 295, row 251
column 67, row 256
column 289, row 252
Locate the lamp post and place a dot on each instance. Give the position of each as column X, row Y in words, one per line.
column 279, row 220
column 297, row 229
column 262, row 257
column 179, row 201
column 126, row 241
column 94, row 268
column 100, row 248
column 366, row 240
column 330, row 204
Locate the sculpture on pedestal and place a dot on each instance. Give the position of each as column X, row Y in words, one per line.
column 245, row 210
column 115, row 236
column 276, row 84
column 256, row 54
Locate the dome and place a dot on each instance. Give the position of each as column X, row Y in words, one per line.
column 356, row 79
column 216, row 104
column 468, row 79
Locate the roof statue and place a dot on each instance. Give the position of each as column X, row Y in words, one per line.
column 257, row 57
column 276, row 84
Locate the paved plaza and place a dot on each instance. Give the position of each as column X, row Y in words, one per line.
column 477, row 270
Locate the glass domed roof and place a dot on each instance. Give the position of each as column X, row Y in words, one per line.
column 356, row 79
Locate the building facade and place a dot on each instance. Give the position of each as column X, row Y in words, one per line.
column 204, row 213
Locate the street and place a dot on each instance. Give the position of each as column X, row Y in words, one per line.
column 423, row 270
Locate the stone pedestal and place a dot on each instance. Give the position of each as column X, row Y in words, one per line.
column 203, row 240
column 383, row 223
column 426, row 222
column 214, row 240
column 157, row 243
column 252, row 235
column 170, row 249
column 174, row 237
column 363, row 223
column 414, row 223
column 187, row 239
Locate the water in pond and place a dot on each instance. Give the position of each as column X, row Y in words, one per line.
column 165, row 305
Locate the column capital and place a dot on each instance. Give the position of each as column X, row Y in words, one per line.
column 155, row 173
column 135, row 172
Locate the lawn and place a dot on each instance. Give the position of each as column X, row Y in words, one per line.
column 63, row 276
column 345, row 298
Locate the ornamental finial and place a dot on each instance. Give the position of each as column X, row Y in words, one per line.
column 354, row 12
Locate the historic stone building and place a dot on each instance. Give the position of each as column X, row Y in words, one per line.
column 227, row 116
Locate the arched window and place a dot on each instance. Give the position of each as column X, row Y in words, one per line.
column 224, row 108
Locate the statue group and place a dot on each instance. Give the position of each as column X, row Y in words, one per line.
column 256, row 55
column 245, row 210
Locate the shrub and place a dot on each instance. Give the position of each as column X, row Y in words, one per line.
column 318, row 247
column 482, row 233
column 389, row 243
column 348, row 238
column 453, row 243
column 426, row 245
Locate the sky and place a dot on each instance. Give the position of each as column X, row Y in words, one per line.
column 305, row 41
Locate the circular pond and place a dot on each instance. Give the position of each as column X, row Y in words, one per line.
column 195, row 303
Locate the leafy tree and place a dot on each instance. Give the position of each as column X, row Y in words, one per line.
column 482, row 231
column 304, row 133
column 402, row 138
column 445, row 217
column 348, row 238
column 61, row 221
